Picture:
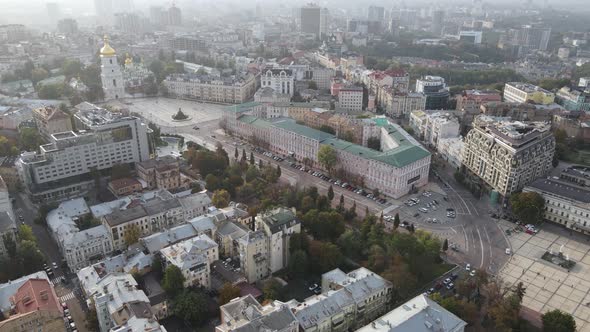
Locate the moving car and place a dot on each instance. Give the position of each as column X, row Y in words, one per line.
column 468, row 267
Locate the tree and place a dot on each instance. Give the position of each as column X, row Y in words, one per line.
column 298, row 264
column 228, row 292
column 30, row 257
column 279, row 171
column 558, row 321
column 325, row 256
column 221, row 198
column 341, row 203
column 327, row 157
column 298, row 241
column 132, row 234
column 330, row 193
column 157, row 265
column 30, row 139
column 38, row 74
column 92, row 319
column 9, row 244
column 120, row 171
column 25, row 233
column 236, row 153
column 252, row 173
column 50, row 91
column 252, row 160
column 445, row 245
column 272, row 289
column 191, row 306
column 173, row 281
column 180, row 115
column 396, row 221
column 528, row 207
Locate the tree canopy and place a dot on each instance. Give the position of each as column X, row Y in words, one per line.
column 327, row 157
column 173, row 281
column 528, row 207
column 558, row 321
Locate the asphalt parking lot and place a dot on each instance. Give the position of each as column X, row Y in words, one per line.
column 428, row 207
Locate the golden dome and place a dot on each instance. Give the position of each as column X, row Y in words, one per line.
column 107, row 50
column 128, row 60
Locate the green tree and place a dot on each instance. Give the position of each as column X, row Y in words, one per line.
column 528, row 207
column 252, row 160
column 298, row 264
column 30, row 139
column 30, row 256
column 50, row 91
column 157, row 265
column 71, row 68
column 38, row 74
column 558, row 321
column 228, row 292
column 180, row 115
column 341, row 203
column 236, row 153
column 212, row 182
column 92, row 319
column 330, row 193
column 325, row 256
column 132, row 234
column 173, row 281
column 298, row 241
column 191, row 306
column 9, row 244
column 396, row 221
column 25, row 233
column 445, row 245
column 327, row 157
column 272, row 289
column 252, row 173
column 220, row 198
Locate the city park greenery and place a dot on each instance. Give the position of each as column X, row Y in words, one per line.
column 22, row 255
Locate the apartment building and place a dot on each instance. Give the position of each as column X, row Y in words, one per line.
column 451, row 150
column 160, row 173
column 279, row 79
column 9, row 173
column 519, row 92
column 231, row 90
column 400, row 165
column 396, row 104
column 62, row 168
column 124, row 186
column 246, row 314
column 432, row 126
column 193, row 257
column 350, row 99
column 508, row 155
column 418, row 314
column 567, row 198
column 278, row 225
column 269, row 95
column 574, row 99
column 51, row 120
column 36, row 307
column 471, row 100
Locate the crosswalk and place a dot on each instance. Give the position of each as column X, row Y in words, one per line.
column 67, row 297
column 57, row 280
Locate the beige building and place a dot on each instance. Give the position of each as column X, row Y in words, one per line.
column 160, row 173
column 193, row 257
column 507, row 155
column 518, row 92
column 124, row 186
column 233, row 90
column 400, row 104
column 350, row 99
column 51, row 120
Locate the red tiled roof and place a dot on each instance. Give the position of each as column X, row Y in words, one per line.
column 123, row 183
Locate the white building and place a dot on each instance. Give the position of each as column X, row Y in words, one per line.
column 246, row 314
column 113, row 85
column 518, row 92
column 280, row 80
column 350, row 99
column 440, row 125
column 420, row 314
column 269, row 95
column 278, row 225
column 450, row 149
column 193, row 257
column 61, row 169
column 233, row 90
column 508, row 155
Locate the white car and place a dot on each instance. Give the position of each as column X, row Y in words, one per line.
column 508, row 252
column 468, row 267
column 472, row 273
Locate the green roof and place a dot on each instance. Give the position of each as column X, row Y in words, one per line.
column 291, row 125
column 312, row 104
column 255, row 121
column 243, row 107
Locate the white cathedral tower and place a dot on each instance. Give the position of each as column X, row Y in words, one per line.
column 110, row 73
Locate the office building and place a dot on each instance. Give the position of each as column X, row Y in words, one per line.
column 174, row 16
column 398, row 104
column 233, row 90
column 311, row 19
column 62, row 168
column 420, row 314
column 36, row 307
column 350, row 99
column 436, row 92
column 438, row 21
column 518, row 92
column 471, row 37
column 376, row 13
column 53, row 12
column 533, row 38
column 432, row 126
column 507, row 155
column 469, row 101
column 51, row 120
column 280, row 80
column 194, row 258
column 451, row 150
column 9, row 173
column 269, row 95
column 110, row 73
column 104, row 11
column 67, row 26
column 129, row 23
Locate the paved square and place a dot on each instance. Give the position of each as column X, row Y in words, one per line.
column 549, row 286
column 161, row 110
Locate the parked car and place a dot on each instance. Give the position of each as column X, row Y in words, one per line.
column 468, row 267
column 450, row 286
column 312, row 287
column 472, row 273
column 447, row 281
column 508, row 252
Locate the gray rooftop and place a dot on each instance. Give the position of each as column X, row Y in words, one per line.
column 6, row 223
column 562, row 189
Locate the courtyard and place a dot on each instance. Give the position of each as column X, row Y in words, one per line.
column 161, row 110
column 549, row 286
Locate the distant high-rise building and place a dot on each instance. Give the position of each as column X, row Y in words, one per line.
column 129, row 23
column 174, row 16
column 438, row 18
column 376, row 13
column 158, row 16
column 53, row 12
column 533, row 38
column 104, row 11
column 311, row 19
column 123, row 6
column 67, row 26
column 324, row 22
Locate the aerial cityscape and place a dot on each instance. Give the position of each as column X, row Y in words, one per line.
column 294, row 166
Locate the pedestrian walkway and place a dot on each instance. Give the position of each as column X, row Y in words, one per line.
column 57, row 280
column 67, row 297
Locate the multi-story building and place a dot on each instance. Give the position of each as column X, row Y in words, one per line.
column 520, row 112
column 36, row 307
column 399, row 166
column 436, row 91
column 574, row 99
column 348, row 301
column 438, row 20
column 398, row 104
column 232, row 90
column 518, row 92
column 350, row 99
column 278, row 225
column 246, row 314
column 508, row 155
column 62, row 168
column 418, row 314
column 51, row 120
column 124, row 186
column 253, row 251
column 566, row 202
column 439, row 125
column 269, row 95
column 321, row 76
column 280, row 80
column 193, row 257
column 469, row 101
column 149, row 216
column 160, row 173
column 311, row 19
column 110, row 73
